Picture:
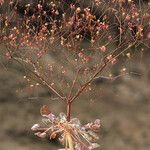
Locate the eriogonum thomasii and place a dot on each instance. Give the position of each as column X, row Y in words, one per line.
column 69, row 44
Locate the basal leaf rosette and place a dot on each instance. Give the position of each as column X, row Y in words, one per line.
column 72, row 134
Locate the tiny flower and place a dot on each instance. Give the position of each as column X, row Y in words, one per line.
column 77, row 36
column 114, row 61
column 128, row 55
column 81, row 54
column 57, row 12
column 78, row 10
column 8, row 55
column 109, row 57
column 110, row 38
column 103, row 49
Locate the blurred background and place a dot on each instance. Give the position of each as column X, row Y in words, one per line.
column 123, row 105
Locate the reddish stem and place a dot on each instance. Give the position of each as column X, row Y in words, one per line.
column 68, row 109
